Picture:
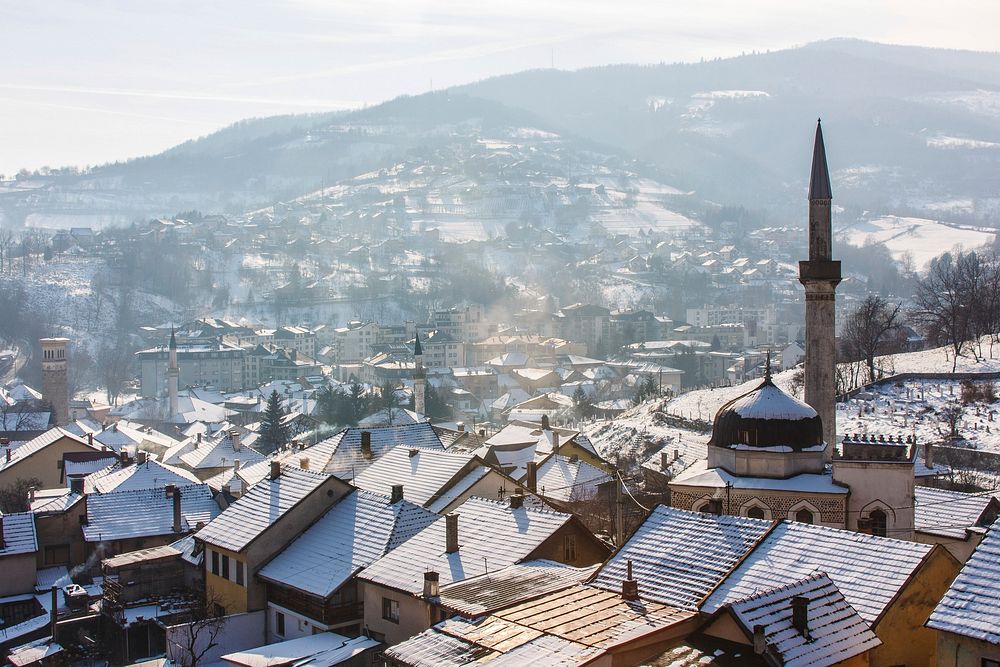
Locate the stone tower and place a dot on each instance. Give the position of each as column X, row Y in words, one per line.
column 419, row 377
column 172, row 374
column 820, row 275
column 55, row 386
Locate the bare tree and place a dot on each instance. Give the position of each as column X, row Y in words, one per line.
column 14, row 497
column 190, row 642
column 865, row 331
column 952, row 415
column 943, row 307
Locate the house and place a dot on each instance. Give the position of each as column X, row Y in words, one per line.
column 436, row 480
column 350, row 451
column 139, row 473
column 520, row 442
column 256, row 527
column 480, row 536
column 955, row 520
column 312, row 585
column 40, row 458
column 59, row 513
column 18, row 547
column 967, row 619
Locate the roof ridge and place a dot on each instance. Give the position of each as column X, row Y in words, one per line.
column 814, row 576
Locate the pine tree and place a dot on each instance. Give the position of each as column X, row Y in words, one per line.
column 273, row 433
column 582, row 404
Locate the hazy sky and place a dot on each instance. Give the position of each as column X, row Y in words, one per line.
column 90, row 81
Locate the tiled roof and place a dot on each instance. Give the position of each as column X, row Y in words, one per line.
column 18, row 534
column 560, row 478
column 424, row 473
column 353, row 534
column 491, row 535
column 835, row 630
column 868, row 570
column 36, row 445
column 971, row 607
column 460, row 486
column 679, row 556
column 513, row 584
column 947, row 513
column 260, row 507
column 131, row 477
column 54, row 501
column 145, row 512
column 341, row 455
column 219, row 453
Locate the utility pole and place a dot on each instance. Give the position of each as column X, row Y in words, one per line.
column 619, row 529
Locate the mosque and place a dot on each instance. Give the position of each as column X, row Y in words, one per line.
column 772, row 456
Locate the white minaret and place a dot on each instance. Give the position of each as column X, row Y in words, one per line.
column 820, row 275
column 172, row 374
column 419, row 377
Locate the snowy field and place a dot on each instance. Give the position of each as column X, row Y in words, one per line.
column 922, row 239
column 647, row 214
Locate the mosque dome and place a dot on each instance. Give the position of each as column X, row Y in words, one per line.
column 767, row 418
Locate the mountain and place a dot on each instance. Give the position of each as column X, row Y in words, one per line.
column 909, row 130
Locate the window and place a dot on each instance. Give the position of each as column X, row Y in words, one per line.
column 986, row 662
column 239, row 572
column 279, row 623
column 569, row 548
column 879, row 523
column 804, row 516
column 755, row 512
column 57, row 554
column 225, row 567
column 215, row 562
column 390, row 610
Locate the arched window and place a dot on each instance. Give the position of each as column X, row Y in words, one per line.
column 756, row 512
column 880, row 523
column 704, row 508
column 804, row 516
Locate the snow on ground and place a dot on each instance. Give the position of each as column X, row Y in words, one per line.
column 921, row 238
column 647, row 214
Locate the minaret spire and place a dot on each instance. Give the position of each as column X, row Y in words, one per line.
column 419, row 377
column 820, row 275
column 173, row 374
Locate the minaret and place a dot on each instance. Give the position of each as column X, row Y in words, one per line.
column 419, row 377
column 172, row 374
column 820, row 276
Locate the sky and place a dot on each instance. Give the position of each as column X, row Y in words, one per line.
column 93, row 81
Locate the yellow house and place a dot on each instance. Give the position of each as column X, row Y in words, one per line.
column 40, row 458
column 256, row 527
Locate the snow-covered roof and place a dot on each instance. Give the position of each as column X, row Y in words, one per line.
column 260, row 507
column 770, row 402
column 699, row 474
column 341, row 454
column 868, row 570
column 82, row 468
column 948, row 513
column 561, row 478
column 424, row 473
column 353, row 534
column 18, row 534
column 34, row 652
column 679, row 556
column 54, row 501
column 835, row 630
column 971, row 607
column 319, row 650
column 36, row 445
column 148, row 475
column 219, row 453
column 491, row 535
column 122, row 515
column 511, row 585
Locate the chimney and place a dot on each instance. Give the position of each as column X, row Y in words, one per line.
column 461, row 427
column 275, row 469
column 304, row 462
column 397, row 494
column 451, row 533
column 516, row 501
column 664, row 460
column 236, row 465
column 177, row 510
column 76, row 485
column 90, row 439
column 226, row 489
column 759, row 640
column 198, row 441
column 677, row 454
column 555, row 442
column 123, row 455
column 482, row 432
column 8, row 451
column 431, row 582
column 630, row 587
column 531, row 477
column 575, row 458
column 54, row 615
column 366, row 444
column 413, row 452
column 168, row 490
column 234, row 435
column 929, row 454
column 140, row 458
column 545, row 422
column 800, row 615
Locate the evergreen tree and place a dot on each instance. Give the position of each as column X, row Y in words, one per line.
column 273, row 434
column 582, row 404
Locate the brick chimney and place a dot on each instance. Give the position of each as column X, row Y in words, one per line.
column 413, row 452
column 234, row 435
column 304, row 462
column 275, row 469
column 461, row 427
column 397, row 493
column 759, row 640
column 531, row 477
column 366, row 445
column 90, row 439
column 929, row 454
column 451, row 533
column 516, row 500
column 545, row 422
column 555, row 442
column 177, row 506
column 630, row 587
column 800, row 615
column 431, row 584
column 140, row 458
column 197, row 441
